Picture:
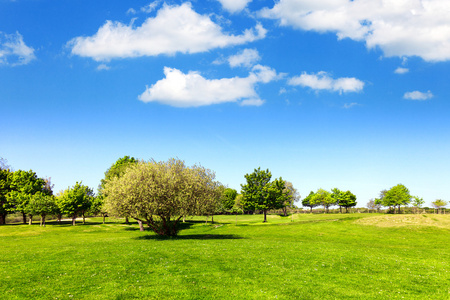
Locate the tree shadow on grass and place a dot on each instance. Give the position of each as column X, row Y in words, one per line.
column 191, row 237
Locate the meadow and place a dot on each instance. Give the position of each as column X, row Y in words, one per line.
column 318, row 256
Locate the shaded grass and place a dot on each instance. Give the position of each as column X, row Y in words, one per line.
column 314, row 257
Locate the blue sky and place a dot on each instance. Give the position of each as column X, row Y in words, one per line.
column 347, row 94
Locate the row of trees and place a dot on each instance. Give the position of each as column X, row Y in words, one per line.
column 398, row 196
column 326, row 199
column 25, row 193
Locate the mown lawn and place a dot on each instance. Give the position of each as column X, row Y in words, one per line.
column 315, row 257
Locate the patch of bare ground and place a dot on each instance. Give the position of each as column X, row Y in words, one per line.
column 441, row 221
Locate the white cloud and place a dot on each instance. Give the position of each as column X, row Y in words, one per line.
column 174, row 29
column 14, row 51
column 416, row 95
column 150, row 7
column 103, row 67
column 398, row 27
column 234, row 6
column 131, row 11
column 192, row 89
column 401, row 70
column 323, row 81
column 247, row 57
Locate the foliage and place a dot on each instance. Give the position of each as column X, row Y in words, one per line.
column 439, row 203
column 306, row 202
column 417, row 202
column 75, row 200
column 324, row 198
column 396, row 196
column 293, row 196
column 228, row 198
column 5, row 189
column 261, row 194
column 25, row 184
column 42, row 204
column 343, row 199
column 116, row 170
column 98, row 207
column 159, row 194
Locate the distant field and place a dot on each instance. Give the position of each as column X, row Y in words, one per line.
column 326, row 256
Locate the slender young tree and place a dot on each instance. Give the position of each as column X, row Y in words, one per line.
column 75, row 201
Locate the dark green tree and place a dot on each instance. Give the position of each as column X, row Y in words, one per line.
column 343, row 199
column 228, row 198
column 116, row 170
column 5, row 188
column 260, row 194
column 25, row 184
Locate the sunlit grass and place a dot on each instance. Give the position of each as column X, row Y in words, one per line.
column 315, row 257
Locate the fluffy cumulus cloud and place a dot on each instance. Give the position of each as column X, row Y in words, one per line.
column 323, row 81
column 416, row 95
column 14, row 51
column 234, row 6
column 192, row 89
column 174, row 29
column 247, row 57
column 398, row 27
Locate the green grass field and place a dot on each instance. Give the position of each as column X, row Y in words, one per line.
column 335, row 256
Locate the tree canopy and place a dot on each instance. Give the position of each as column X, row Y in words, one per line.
column 259, row 193
column 159, row 194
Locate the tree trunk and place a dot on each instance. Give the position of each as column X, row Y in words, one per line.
column 265, row 216
column 141, row 226
column 184, row 219
column 126, row 220
column 31, row 220
column 206, row 220
column 24, row 218
column 42, row 220
column 104, row 216
column 285, row 211
column 74, row 220
column 212, row 219
column 84, row 218
column 59, row 218
column 2, row 219
column 310, row 209
column 346, row 210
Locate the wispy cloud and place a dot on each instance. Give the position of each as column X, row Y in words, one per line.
column 350, row 105
column 14, row 51
column 234, row 6
column 103, row 67
column 174, row 29
column 323, row 81
column 401, row 70
column 400, row 28
column 192, row 89
column 416, row 95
